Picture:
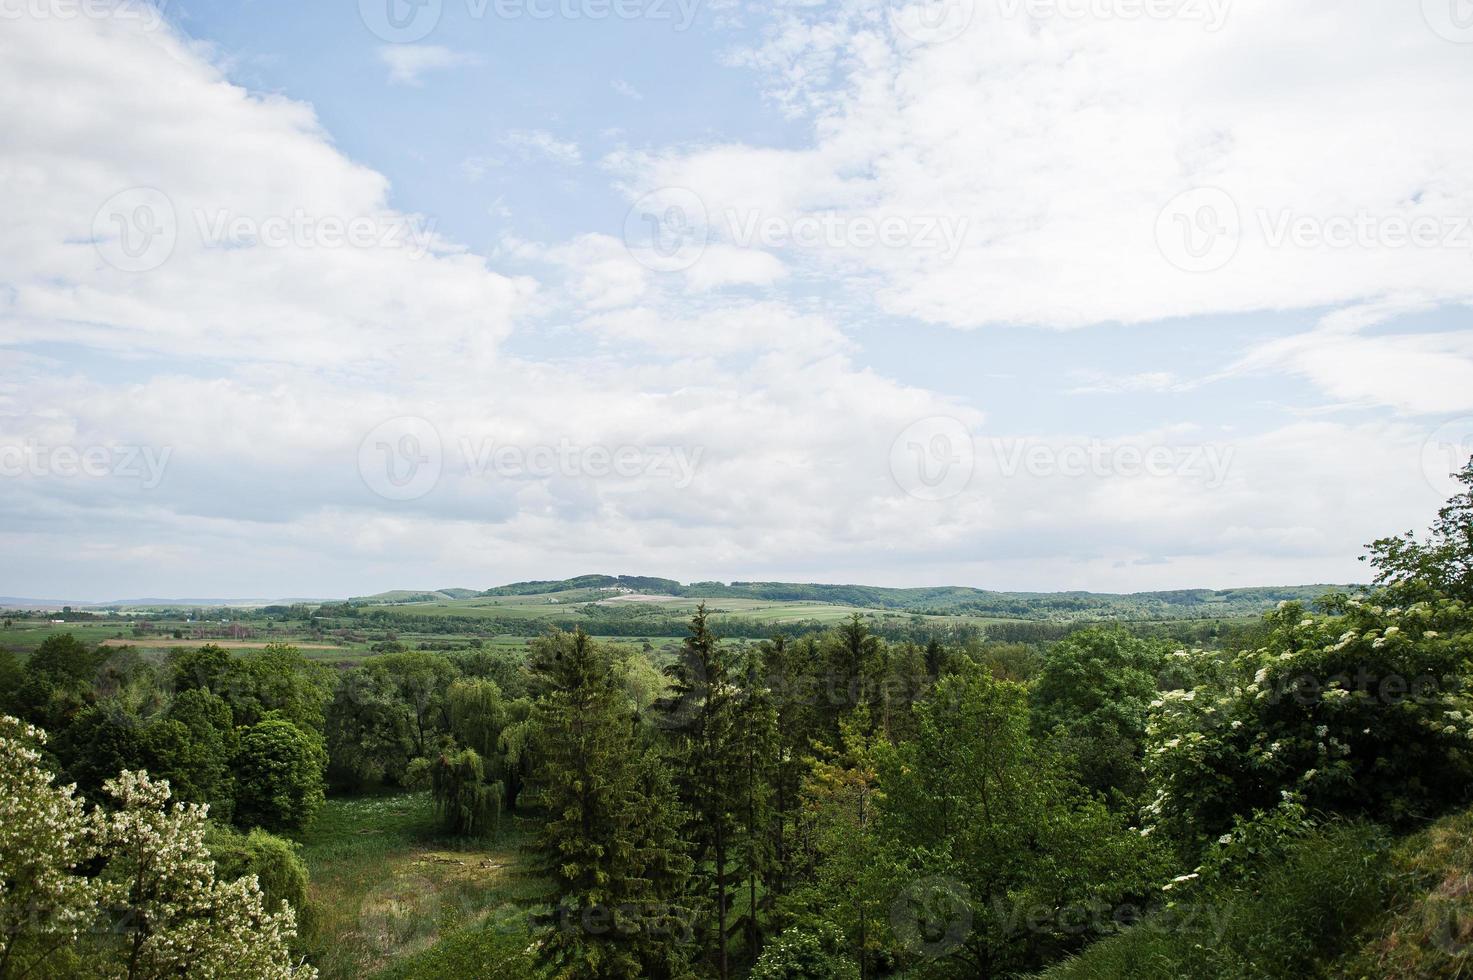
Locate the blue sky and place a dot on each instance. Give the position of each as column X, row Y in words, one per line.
column 1021, row 294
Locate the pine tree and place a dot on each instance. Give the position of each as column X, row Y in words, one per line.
column 757, row 747
column 789, row 671
column 609, row 842
column 700, row 715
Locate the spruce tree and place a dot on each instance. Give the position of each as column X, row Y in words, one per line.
column 699, row 715
column 757, row 748
column 609, row 842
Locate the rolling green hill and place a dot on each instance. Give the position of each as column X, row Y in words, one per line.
column 534, row 598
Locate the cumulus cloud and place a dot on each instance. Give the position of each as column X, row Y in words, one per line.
column 279, row 358
column 1112, row 167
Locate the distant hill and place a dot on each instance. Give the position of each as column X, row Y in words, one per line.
column 936, row 600
column 407, row 595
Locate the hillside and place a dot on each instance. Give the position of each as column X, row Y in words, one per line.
column 932, row 601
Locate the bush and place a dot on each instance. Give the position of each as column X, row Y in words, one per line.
column 1279, row 902
column 279, row 776
column 273, row 860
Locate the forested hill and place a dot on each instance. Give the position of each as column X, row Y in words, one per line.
column 937, row 600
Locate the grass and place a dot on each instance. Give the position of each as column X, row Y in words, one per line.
column 387, row 886
column 1429, row 932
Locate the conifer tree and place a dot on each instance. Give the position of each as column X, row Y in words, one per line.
column 700, row 715
column 757, row 746
column 609, row 841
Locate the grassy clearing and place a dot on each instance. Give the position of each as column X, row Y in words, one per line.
column 387, row 885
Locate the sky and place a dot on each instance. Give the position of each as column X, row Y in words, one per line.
column 321, row 299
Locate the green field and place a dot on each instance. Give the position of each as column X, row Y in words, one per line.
column 387, row 886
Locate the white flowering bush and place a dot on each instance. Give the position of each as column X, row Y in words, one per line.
column 45, row 836
column 1364, row 710
column 129, row 893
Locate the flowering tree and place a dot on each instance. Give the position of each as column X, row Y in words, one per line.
column 1363, row 711
column 152, row 906
column 44, row 836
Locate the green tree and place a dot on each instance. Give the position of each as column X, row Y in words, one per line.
column 469, row 803
column 977, row 815
column 699, row 714
column 1442, row 565
column 369, row 728
column 57, row 682
column 279, row 776
column 422, row 681
column 609, row 840
column 1093, row 695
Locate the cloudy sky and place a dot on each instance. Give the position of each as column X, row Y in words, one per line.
column 316, row 299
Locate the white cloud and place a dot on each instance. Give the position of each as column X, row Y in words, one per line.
column 408, row 62
column 262, row 368
column 1061, row 139
column 538, row 143
column 627, row 90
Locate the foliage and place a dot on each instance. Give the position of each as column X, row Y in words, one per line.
column 1442, row 565
column 609, row 845
column 275, row 862
column 1294, row 900
column 279, row 776
column 975, row 806
column 153, row 906
column 1357, row 713
column 1093, row 693
column 805, row 954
